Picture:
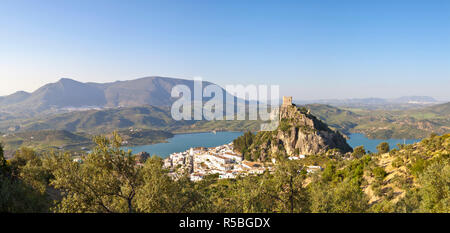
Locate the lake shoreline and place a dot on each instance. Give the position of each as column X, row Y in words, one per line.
column 183, row 141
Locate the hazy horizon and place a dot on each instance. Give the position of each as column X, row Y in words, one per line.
column 313, row 50
column 295, row 99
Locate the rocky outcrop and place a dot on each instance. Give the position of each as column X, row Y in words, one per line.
column 142, row 157
column 299, row 132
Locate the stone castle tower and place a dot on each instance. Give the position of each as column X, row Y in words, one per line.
column 287, row 101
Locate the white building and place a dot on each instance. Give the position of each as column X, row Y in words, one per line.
column 228, row 175
column 78, row 160
column 232, row 156
column 310, row 169
column 197, row 176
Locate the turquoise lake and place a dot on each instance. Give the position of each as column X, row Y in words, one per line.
column 357, row 139
column 182, row 142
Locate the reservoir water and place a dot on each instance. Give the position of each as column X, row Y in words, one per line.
column 357, row 139
column 182, row 142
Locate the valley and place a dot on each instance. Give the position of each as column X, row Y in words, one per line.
column 144, row 103
column 75, row 142
column 384, row 124
column 73, row 130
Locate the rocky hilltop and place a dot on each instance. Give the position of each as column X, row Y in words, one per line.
column 303, row 133
column 299, row 132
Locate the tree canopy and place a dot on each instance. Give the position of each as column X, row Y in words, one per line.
column 109, row 179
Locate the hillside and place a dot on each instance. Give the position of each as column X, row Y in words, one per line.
column 340, row 119
column 70, row 94
column 439, row 109
column 411, row 178
column 380, row 124
column 107, row 120
column 401, row 103
column 299, row 132
column 383, row 124
column 46, row 140
column 144, row 103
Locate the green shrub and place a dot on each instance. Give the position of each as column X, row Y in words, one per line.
column 379, row 173
column 359, row 151
column 398, row 162
column 285, row 126
column 417, row 167
column 383, row 147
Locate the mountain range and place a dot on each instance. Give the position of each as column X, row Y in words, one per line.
column 404, row 102
column 145, row 103
column 71, row 94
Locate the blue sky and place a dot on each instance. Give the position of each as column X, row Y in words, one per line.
column 312, row 49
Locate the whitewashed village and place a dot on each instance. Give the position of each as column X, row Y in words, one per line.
column 222, row 160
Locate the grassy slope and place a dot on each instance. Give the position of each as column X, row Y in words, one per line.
column 44, row 140
column 74, row 130
column 414, row 123
column 103, row 121
column 383, row 124
column 403, row 167
column 47, row 140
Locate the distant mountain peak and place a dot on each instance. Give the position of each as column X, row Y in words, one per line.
column 403, row 102
column 68, row 93
column 20, row 93
column 67, row 80
column 415, row 99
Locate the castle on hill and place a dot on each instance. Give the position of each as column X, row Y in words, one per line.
column 287, row 101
